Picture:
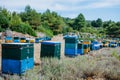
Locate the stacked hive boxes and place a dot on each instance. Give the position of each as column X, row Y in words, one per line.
column 23, row 40
column 17, row 57
column 86, row 50
column 50, row 49
column 119, row 44
column 80, row 49
column 96, row 45
column 91, row 46
column 71, row 43
column 8, row 39
column 87, row 43
column 16, row 39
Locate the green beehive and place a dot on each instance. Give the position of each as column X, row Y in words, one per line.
column 50, row 49
column 71, row 46
column 71, row 39
column 17, row 51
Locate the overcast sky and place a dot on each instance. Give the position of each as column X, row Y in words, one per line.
column 91, row 9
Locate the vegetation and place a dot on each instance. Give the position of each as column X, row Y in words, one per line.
column 51, row 23
column 100, row 66
column 116, row 55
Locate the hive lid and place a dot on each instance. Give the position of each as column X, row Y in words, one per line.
column 70, row 37
column 16, row 43
column 50, row 42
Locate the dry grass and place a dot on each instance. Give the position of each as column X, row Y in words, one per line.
column 87, row 67
column 82, row 67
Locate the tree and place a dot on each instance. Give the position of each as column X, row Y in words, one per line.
column 93, row 23
column 113, row 29
column 79, row 22
column 4, row 18
column 31, row 16
column 99, row 22
column 53, row 21
column 4, row 22
column 15, row 21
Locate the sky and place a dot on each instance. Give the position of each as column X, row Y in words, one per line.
column 91, row 9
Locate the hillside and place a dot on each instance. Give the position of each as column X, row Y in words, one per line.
column 51, row 23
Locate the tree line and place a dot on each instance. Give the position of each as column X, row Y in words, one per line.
column 49, row 22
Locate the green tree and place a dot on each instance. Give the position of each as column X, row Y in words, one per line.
column 113, row 29
column 15, row 21
column 99, row 22
column 79, row 22
column 4, row 18
column 31, row 16
column 93, row 23
column 53, row 21
column 69, row 21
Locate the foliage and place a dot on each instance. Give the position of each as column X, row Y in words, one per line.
column 100, row 66
column 97, row 23
column 25, row 28
column 15, row 21
column 1, row 29
column 116, row 55
column 30, row 16
column 79, row 22
column 54, row 21
column 4, row 18
column 55, row 24
column 45, row 30
column 113, row 29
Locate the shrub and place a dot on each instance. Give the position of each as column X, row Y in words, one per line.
column 45, row 30
column 79, row 68
column 25, row 29
column 116, row 55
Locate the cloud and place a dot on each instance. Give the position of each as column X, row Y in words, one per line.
column 40, row 4
column 68, row 8
column 103, row 4
column 58, row 5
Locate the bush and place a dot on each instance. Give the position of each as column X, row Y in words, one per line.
column 45, row 30
column 117, row 56
column 25, row 29
column 96, row 67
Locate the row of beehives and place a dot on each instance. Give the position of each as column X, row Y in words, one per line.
column 19, row 57
column 74, row 47
column 16, row 39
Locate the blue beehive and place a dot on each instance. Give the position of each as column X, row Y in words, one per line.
column 96, row 45
column 71, row 45
column 8, row 39
column 16, row 39
column 91, row 46
column 113, row 44
column 16, row 66
column 80, row 49
column 17, row 57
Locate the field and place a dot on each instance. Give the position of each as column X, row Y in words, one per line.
column 103, row 64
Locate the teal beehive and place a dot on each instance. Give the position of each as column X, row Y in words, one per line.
column 50, row 49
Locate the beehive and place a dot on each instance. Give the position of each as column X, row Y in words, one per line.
column 17, row 55
column 50, row 49
column 71, row 45
column 80, row 49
